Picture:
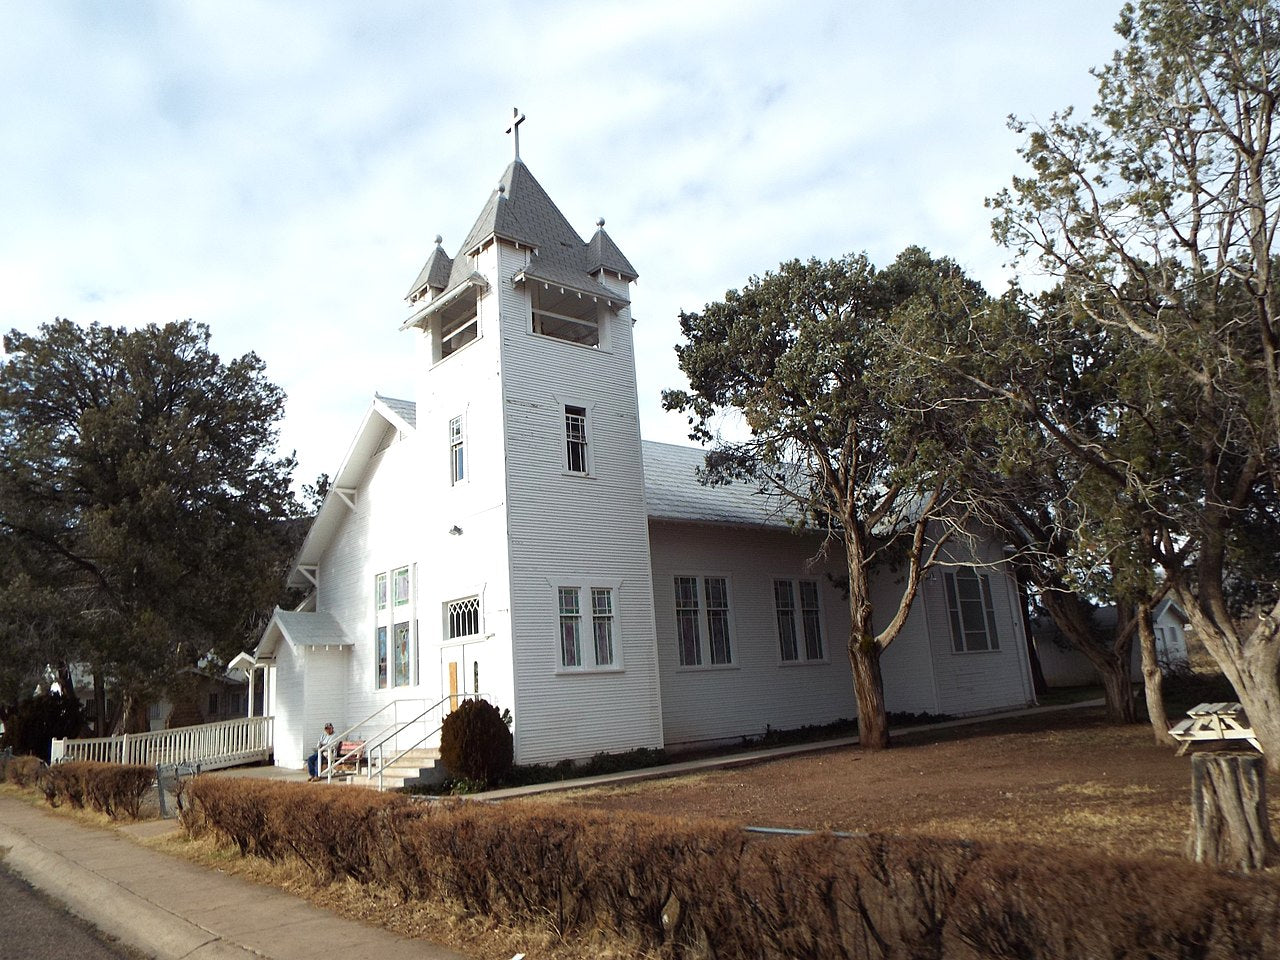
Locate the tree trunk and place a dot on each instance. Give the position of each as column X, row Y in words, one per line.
column 1117, row 688
column 1152, row 678
column 1229, row 826
column 1250, row 663
column 101, row 722
column 1038, row 683
column 868, row 687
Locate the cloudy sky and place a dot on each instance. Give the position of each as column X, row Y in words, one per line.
column 278, row 170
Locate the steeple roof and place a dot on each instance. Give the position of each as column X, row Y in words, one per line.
column 603, row 253
column 520, row 212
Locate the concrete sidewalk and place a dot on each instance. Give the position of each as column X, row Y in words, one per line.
column 169, row 908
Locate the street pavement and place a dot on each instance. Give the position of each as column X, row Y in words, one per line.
column 34, row 927
column 169, row 908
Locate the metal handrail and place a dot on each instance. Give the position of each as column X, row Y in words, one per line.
column 426, row 736
column 374, row 746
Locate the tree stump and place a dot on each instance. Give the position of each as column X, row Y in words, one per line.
column 1229, row 826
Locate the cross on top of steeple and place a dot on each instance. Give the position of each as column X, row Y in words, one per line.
column 517, row 118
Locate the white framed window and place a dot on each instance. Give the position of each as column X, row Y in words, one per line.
column 799, row 624
column 395, row 635
column 400, row 646
column 565, row 315
column 587, row 625
column 703, row 622
column 577, row 458
column 602, row 625
column 462, row 618
column 971, row 611
column 457, row 452
column 570, row 626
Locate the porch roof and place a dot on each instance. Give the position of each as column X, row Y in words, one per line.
column 301, row 629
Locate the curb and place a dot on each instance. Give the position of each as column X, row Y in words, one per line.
column 118, row 912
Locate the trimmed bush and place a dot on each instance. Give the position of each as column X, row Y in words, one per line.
column 706, row 889
column 475, row 743
column 23, row 771
column 108, row 788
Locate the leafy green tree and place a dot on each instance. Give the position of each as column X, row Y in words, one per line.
column 142, row 499
column 1047, row 389
column 1160, row 216
column 841, row 420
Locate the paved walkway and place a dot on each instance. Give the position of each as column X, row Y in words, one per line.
column 170, row 908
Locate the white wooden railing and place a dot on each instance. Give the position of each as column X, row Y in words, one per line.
column 226, row 743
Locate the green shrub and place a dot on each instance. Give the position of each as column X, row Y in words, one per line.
column 475, row 743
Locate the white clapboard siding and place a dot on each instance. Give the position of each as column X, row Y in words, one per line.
column 759, row 691
column 983, row 681
column 566, row 527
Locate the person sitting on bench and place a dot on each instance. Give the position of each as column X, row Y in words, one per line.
column 330, row 739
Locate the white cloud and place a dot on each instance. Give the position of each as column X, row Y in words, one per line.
column 278, row 170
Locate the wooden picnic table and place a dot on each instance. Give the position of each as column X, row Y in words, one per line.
column 1209, row 722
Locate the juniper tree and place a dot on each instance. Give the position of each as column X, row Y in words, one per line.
column 141, row 489
column 1159, row 216
column 840, row 421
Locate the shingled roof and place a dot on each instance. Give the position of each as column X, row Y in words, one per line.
column 520, row 212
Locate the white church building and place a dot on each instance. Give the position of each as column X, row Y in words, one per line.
column 507, row 532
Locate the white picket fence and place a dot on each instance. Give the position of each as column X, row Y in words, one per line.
column 226, row 743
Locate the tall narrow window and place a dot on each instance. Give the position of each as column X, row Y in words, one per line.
column 575, row 435
column 400, row 586
column 602, row 624
column 570, row 627
column 717, row 592
column 380, row 591
column 687, row 633
column 811, row 617
column 457, row 459
column 784, row 603
column 401, row 649
column 973, row 618
column 382, row 657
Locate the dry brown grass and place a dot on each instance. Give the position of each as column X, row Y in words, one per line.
column 1065, row 779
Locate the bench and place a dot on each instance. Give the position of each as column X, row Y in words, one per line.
column 1213, row 722
column 348, row 758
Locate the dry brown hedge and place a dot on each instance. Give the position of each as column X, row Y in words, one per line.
column 114, row 789
column 21, row 771
column 681, row 888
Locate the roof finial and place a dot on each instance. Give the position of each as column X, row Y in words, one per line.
column 517, row 118
column 600, row 223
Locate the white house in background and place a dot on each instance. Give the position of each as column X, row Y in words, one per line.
column 1064, row 666
column 509, row 533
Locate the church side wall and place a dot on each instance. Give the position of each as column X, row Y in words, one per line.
column 473, row 561
column 288, row 706
column 581, row 530
column 974, row 682
column 758, row 690
column 406, row 508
